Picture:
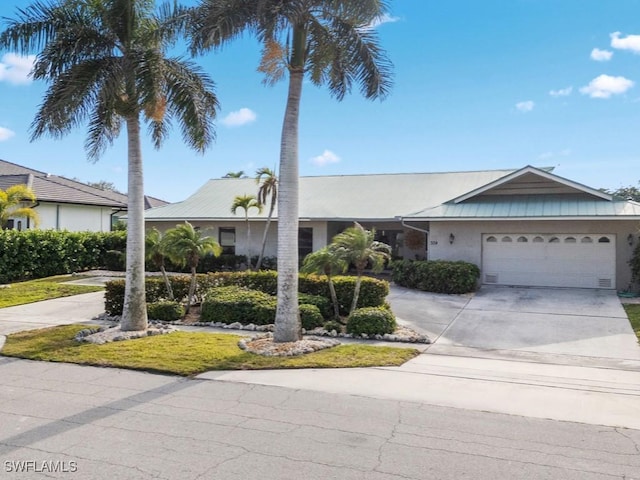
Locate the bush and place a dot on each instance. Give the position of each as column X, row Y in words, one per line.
column 43, row 253
column 372, row 291
column 115, row 260
column 165, row 311
column 310, row 316
column 333, row 325
column 155, row 291
column 438, row 276
column 371, row 321
column 323, row 304
column 114, row 297
column 236, row 304
column 634, row 263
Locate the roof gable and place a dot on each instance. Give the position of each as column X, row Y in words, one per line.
column 532, row 181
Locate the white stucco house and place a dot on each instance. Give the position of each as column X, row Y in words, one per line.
column 521, row 227
column 65, row 204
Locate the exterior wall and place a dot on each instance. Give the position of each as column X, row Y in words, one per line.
column 467, row 244
column 257, row 230
column 75, row 218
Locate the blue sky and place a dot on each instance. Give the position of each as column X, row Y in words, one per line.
column 478, row 85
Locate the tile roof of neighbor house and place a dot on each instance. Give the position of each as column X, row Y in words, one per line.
column 53, row 188
column 345, row 197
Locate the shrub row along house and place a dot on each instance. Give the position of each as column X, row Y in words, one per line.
column 65, row 204
column 521, row 227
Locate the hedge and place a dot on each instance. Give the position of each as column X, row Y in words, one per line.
column 437, row 276
column 165, row 311
column 372, row 293
column 371, row 321
column 43, row 253
column 237, row 304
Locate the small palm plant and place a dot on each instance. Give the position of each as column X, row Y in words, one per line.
column 12, row 204
column 156, row 253
column 327, row 262
column 358, row 246
column 186, row 246
column 246, row 203
column 268, row 189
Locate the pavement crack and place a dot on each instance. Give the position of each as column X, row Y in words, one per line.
column 635, row 444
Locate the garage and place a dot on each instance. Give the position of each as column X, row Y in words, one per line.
column 549, row 260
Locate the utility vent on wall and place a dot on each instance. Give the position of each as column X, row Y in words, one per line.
column 491, row 278
column 604, row 283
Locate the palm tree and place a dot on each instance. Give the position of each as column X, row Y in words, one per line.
column 156, row 252
column 268, row 189
column 358, row 246
column 334, row 44
column 186, row 246
column 326, row 262
column 106, row 65
column 12, row 204
column 246, row 202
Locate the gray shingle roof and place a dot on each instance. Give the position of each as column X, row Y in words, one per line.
column 345, row 197
column 53, row 188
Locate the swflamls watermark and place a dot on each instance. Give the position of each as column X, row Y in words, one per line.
column 40, row 466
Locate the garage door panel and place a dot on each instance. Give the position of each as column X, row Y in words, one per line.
column 559, row 260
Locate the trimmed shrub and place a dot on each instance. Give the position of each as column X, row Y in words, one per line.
column 333, row 325
column 115, row 260
column 372, row 291
column 165, row 311
column 155, row 291
column 323, row 304
column 236, row 304
column 438, row 276
column 371, row 321
column 43, row 253
column 310, row 316
column 114, row 297
column 634, row 263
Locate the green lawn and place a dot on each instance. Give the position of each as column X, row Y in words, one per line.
column 187, row 353
column 41, row 289
column 633, row 312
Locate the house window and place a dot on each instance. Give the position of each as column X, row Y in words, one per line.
column 227, row 240
column 19, row 227
column 506, row 239
column 586, row 240
column 554, row 240
column 538, row 240
column 570, row 240
column 305, row 241
column 600, row 240
column 492, row 239
column 523, row 239
column 10, row 224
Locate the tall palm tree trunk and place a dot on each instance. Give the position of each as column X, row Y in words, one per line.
column 266, row 232
column 287, row 326
column 134, row 313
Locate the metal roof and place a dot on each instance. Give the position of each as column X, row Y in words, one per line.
column 345, row 197
column 530, row 207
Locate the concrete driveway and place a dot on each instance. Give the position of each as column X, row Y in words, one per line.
column 579, row 322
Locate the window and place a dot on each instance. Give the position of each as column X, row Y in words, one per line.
column 305, row 241
column 554, row 240
column 507, row 239
column 19, row 227
column 538, row 240
column 600, row 240
column 523, row 239
column 492, row 239
column 10, row 224
column 586, row 240
column 570, row 240
column 227, row 240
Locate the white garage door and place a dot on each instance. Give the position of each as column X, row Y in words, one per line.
column 543, row 260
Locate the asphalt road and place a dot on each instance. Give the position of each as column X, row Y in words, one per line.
column 95, row 423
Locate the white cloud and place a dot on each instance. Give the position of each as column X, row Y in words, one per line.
column 525, row 106
column 630, row 42
column 240, row 117
column 327, row 158
column 6, row 134
column 605, row 85
column 15, row 69
column 562, row 92
column 386, row 18
column 562, row 153
column 601, row 55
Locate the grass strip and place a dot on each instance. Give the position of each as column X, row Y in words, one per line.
column 633, row 312
column 32, row 291
column 187, row 353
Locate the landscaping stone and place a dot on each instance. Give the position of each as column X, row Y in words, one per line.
column 264, row 345
column 102, row 335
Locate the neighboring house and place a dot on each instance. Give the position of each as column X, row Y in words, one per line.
column 65, row 204
column 521, row 227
